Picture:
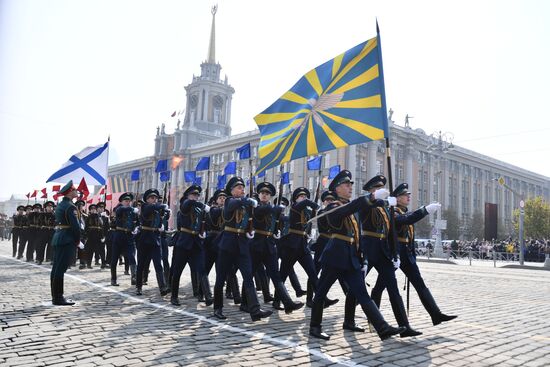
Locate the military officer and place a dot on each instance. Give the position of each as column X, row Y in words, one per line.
column 123, row 236
column 105, row 247
column 262, row 246
column 94, row 237
column 18, row 220
column 148, row 244
column 234, row 250
column 188, row 248
column 404, row 221
column 24, row 231
column 375, row 229
column 342, row 259
column 34, row 231
column 65, row 239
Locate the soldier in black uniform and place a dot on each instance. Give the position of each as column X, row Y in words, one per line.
column 94, row 237
column 188, row 247
column 234, row 250
column 18, row 220
column 47, row 221
column 342, row 259
column 148, row 243
column 123, row 236
column 262, row 247
column 375, row 225
column 34, row 231
column 24, row 232
column 294, row 246
column 404, row 221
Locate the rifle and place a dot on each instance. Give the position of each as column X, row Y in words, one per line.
column 203, row 214
column 316, row 200
column 250, row 225
column 278, row 222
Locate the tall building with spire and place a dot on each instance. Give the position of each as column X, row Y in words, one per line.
column 208, row 101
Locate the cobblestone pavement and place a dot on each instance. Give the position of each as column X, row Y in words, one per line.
column 504, row 320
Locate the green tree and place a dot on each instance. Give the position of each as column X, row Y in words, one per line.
column 453, row 224
column 478, row 225
column 536, row 222
column 423, row 229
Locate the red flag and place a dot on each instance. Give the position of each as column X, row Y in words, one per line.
column 173, row 115
column 108, row 197
column 102, row 191
column 56, row 188
column 90, row 201
column 34, row 193
column 83, row 188
column 44, row 193
column 56, row 196
column 28, row 195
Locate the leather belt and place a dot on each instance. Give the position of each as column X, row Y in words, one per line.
column 265, row 233
column 47, row 227
column 122, row 229
column 213, row 232
column 34, row 226
column 295, row 231
column 326, row 235
column 234, row 230
column 403, row 239
column 187, row 230
column 150, row 229
column 62, row 226
column 16, row 227
column 342, row 237
column 374, row 234
column 94, row 227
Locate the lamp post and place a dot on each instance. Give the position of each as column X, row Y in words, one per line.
column 502, row 183
column 440, row 143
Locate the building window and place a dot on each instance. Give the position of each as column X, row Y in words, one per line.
column 327, row 160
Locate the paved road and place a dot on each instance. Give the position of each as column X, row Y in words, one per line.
column 504, row 321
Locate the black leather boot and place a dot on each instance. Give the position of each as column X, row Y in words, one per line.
column 383, row 329
column 58, row 299
column 315, row 328
column 429, row 304
column 175, row 291
column 283, row 295
column 256, row 313
column 205, row 287
column 401, row 316
column 233, row 282
column 244, row 302
column 264, row 281
column 113, row 277
column 133, row 274
column 194, row 283
column 349, row 315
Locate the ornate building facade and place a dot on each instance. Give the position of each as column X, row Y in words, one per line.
column 460, row 179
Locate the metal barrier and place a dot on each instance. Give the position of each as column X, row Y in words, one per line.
column 487, row 255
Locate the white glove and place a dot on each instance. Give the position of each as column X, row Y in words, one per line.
column 381, row 194
column 250, row 235
column 81, row 246
column 103, row 240
column 309, row 237
column 135, row 231
column 165, row 207
column 282, row 206
column 432, row 208
column 254, row 202
column 161, row 229
column 206, row 208
column 168, row 210
column 82, row 226
column 277, row 235
column 396, row 263
column 136, row 210
column 103, row 214
column 202, row 235
column 392, row 201
column 365, row 268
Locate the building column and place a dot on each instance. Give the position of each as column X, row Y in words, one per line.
column 431, row 179
column 372, row 169
column 409, row 177
column 459, row 191
column 444, row 184
column 353, row 166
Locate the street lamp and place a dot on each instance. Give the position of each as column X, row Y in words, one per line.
column 502, row 183
column 440, row 143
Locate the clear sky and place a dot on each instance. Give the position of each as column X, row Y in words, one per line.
column 74, row 72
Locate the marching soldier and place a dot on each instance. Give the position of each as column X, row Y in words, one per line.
column 17, row 233
column 149, row 246
column 123, row 236
column 65, row 239
column 342, row 259
column 262, row 247
column 81, row 215
column 94, row 237
column 46, row 232
column 188, row 248
column 294, row 246
column 404, row 222
column 234, row 249
column 375, row 225
column 107, row 234
column 24, row 232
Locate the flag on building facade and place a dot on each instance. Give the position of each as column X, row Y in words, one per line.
column 333, row 171
column 165, row 176
column 337, row 104
column 90, row 163
column 285, row 178
column 230, row 168
column 189, row 176
column 162, row 166
column 314, row 164
column 222, row 179
column 204, row 164
column 244, row 151
column 135, row 175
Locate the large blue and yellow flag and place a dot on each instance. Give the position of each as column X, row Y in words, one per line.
column 337, row 104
